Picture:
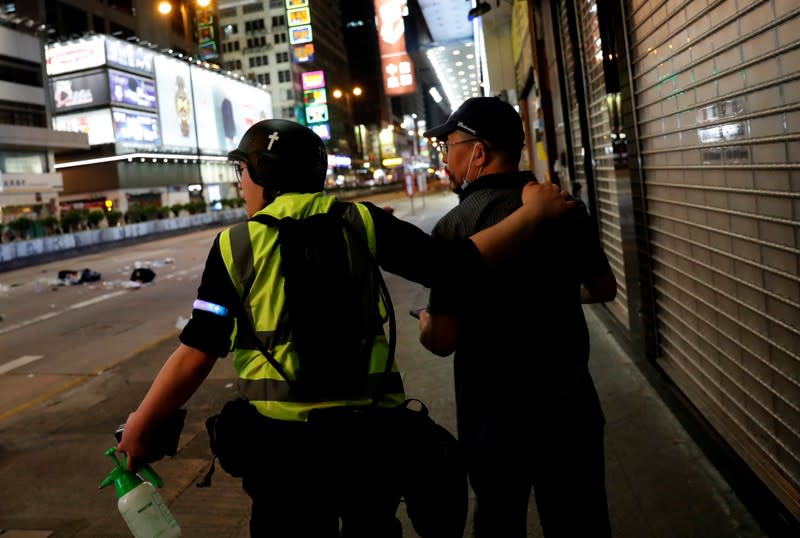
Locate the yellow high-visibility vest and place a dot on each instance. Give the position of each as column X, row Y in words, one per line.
column 251, row 253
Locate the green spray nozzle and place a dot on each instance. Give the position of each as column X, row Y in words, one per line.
column 125, row 480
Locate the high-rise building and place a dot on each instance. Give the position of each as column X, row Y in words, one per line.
column 255, row 44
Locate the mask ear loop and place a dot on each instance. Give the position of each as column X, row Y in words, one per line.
column 465, row 183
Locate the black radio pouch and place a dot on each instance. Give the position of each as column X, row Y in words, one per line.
column 230, row 432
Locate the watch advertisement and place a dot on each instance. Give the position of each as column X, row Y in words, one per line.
column 95, row 123
column 229, row 108
column 128, row 56
column 132, row 128
column 131, row 90
column 175, row 105
column 79, row 92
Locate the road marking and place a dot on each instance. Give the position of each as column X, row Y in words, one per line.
column 97, row 299
column 49, row 315
column 16, row 363
column 28, row 322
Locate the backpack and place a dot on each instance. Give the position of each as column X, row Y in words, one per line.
column 334, row 290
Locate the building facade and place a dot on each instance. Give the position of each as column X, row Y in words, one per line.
column 29, row 184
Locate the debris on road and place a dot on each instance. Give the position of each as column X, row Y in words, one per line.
column 70, row 277
column 143, row 275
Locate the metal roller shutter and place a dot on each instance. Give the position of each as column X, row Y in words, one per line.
column 602, row 117
column 717, row 94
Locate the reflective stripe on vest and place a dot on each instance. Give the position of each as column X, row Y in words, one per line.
column 252, row 257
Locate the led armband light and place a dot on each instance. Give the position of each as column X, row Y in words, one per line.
column 205, row 306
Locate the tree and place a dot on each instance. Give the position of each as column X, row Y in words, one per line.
column 113, row 217
column 21, row 227
column 50, row 224
column 70, row 221
column 94, row 218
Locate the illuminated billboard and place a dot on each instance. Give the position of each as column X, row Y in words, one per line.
column 313, row 79
column 316, row 113
column 206, row 36
column 68, row 57
column 300, row 34
column 303, row 53
column 298, row 16
column 129, row 56
column 79, row 92
column 175, row 104
column 226, row 108
column 315, row 97
column 296, row 3
column 397, row 68
column 134, row 128
column 96, row 124
column 131, row 90
column 323, row 130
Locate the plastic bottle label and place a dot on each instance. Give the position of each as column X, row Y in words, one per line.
column 147, row 516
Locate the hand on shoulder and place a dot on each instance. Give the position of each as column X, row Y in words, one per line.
column 545, row 200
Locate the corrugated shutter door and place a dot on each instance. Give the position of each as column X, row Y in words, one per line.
column 574, row 114
column 599, row 117
column 717, row 93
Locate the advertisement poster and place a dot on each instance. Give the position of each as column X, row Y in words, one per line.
column 226, row 109
column 96, row 123
column 79, row 92
column 69, row 57
column 129, row 56
column 300, row 34
column 131, row 90
column 132, row 128
column 298, row 16
column 313, row 79
column 175, row 104
column 303, row 53
column 316, row 113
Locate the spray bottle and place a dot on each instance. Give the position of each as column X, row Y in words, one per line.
column 141, row 506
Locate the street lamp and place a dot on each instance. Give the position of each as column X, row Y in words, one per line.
column 357, row 92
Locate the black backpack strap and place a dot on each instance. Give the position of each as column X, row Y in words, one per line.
column 387, row 300
column 269, row 220
column 338, row 209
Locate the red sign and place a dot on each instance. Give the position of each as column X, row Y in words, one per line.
column 398, row 70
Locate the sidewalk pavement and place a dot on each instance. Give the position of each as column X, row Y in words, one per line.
column 660, row 484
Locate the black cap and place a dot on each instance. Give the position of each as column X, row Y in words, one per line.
column 283, row 155
column 487, row 118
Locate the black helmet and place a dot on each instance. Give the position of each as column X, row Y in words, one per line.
column 283, row 156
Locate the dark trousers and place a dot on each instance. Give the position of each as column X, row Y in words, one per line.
column 314, row 478
column 568, row 479
column 556, row 448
